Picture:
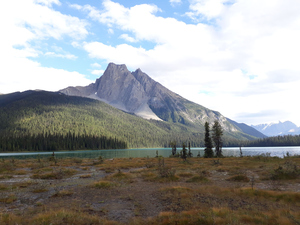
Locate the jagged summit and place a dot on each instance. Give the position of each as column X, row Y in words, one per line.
column 137, row 93
column 120, row 88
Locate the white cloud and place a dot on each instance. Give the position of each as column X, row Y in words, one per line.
column 127, row 38
column 97, row 72
column 66, row 56
column 48, row 2
column 33, row 76
column 75, row 6
column 175, row 2
column 75, row 44
column 247, row 35
column 57, row 48
column 35, row 21
column 110, row 31
column 208, row 9
column 96, row 65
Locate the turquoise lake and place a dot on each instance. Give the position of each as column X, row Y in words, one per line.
column 151, row 152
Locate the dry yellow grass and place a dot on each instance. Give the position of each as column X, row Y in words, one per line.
column 164, row 200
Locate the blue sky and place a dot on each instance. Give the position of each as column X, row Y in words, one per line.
column 239, row 57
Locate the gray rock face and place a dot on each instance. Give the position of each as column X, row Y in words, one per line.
column 118, row 85
column 137, row 93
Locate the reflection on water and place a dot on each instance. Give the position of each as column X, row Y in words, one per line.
column 151, row 152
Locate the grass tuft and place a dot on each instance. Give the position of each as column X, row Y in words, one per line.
column 8, row 199
column 103, row 184
column 85, row 176
column 63, row 193
column 55, row 174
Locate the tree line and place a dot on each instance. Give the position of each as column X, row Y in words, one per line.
column 53, row 142
column 286, row 140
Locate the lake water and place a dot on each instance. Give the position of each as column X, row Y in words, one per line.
column 151, row 152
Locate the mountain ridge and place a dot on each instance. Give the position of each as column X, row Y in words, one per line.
column 138, row 93
column 280, row 128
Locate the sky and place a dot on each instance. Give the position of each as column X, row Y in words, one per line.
column 238, row 57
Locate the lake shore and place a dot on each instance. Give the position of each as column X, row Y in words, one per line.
column 233, row 190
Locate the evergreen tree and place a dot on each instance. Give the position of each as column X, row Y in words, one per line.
column 208, row 151
column 184, row 152
column 190, row 154
column 217, row 133
column 173, row 145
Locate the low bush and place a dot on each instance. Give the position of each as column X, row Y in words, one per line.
column 289, row 170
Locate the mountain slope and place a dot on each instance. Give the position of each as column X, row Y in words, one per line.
column 280, row 128
column 137, row 93
column 40, row 112
column 247, row 129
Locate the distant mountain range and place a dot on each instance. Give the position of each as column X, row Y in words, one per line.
column 280, row 128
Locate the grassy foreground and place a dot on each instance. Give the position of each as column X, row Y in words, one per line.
column 248, row 190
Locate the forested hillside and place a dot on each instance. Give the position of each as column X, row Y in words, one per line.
column 40, row 112
column 286, row 140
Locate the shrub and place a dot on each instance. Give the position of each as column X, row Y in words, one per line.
column 163, row 170
column 289, row 170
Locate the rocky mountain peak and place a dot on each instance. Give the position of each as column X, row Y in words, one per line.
column 137, row 93
column 113, row 67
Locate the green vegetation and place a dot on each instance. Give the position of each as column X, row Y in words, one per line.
column 53, row 142
column 40, row 113
column 208, row 151
column 43, row 121
column 217, row 133
column 286, row 140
